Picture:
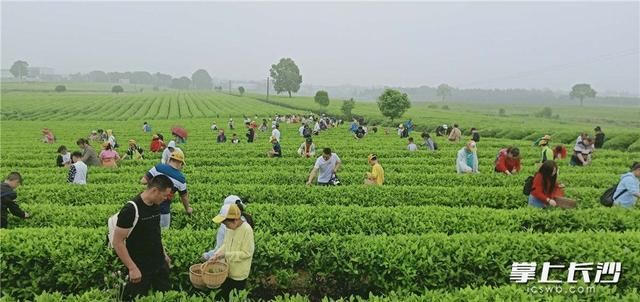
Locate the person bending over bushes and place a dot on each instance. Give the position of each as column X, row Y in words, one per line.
column 546, row 191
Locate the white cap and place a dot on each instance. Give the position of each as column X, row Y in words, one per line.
column 445, row 126
column 231, row 199
column 273, row 126
column 172, row 144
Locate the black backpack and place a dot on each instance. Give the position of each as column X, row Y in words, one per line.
column 335, row 181
column 528, row 186
column 405, row 133
column 607, row 197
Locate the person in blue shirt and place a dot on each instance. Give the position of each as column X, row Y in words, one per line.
column 172, row 170
column 277, row 150
column 628, row 190
column 354, row 126
column 409, row 126
column 146, row 128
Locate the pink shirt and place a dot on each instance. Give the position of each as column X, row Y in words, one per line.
column 109, row 154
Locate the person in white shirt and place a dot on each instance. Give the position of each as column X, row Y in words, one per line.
column 166, row 154
column 580, row 138
column 325, row 168
column 275, row 133
column 301, row 130
column 64, row 157
column 582, row 153
column 111, row 139
column 316, row 128
column 78, row 170
column 412, row 146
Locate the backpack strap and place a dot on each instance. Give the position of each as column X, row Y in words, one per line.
column 3, row 194
column 135, row 219
column 621, row 192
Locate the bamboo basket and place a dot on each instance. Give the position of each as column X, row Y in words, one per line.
column 214, row 279
column 195, row 276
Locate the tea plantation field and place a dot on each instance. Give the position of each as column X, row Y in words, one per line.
column 428, row 234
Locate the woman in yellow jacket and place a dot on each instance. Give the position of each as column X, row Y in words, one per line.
column 237, row 249
column 376, row 176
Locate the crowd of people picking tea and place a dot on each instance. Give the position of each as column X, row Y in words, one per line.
column 135, row 231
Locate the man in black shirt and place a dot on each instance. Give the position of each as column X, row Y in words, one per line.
column 8, row 199
column 359, row 133
column 250, row 133
column 599, row 138
column 475, row 135
column 143, row 253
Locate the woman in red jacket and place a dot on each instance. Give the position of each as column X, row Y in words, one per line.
column 546, row 190
column 157, row 145
column 508, row 161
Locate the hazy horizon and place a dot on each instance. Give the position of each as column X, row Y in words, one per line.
column 467, row 45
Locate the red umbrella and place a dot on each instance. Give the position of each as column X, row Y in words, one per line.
column 179, row 131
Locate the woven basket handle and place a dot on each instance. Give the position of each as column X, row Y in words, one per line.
column 204, row 264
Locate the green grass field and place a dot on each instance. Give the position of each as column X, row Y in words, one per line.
column 428, row 234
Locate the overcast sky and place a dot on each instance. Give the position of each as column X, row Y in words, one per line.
column 468, row 45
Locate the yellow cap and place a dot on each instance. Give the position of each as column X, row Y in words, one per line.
column 228, row 211
column 372, row 156
column 177, row 155
column 132, row 142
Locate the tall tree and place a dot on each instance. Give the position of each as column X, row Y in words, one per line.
column 393, row 104
column 201, row 80
column 347, row 107
column 322, row 98
column 443, row 91
column 286, row 76
column 582, row 91
column 20, row 69
column 241, row 90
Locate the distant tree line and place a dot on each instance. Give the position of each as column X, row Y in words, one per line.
column 200, row 79
column 577, row 94
column 286, row 77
